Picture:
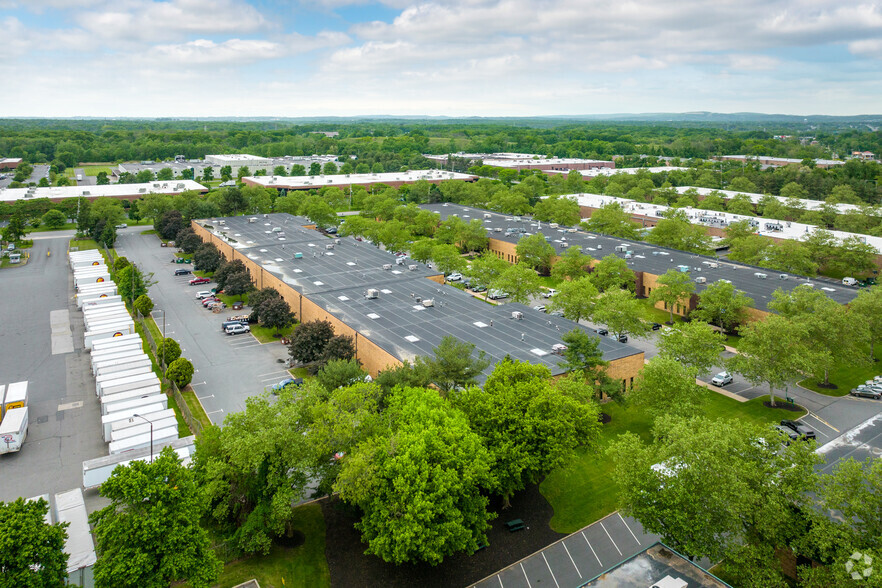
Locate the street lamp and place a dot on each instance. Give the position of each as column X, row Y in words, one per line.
column 132, row 419
column 163, row 338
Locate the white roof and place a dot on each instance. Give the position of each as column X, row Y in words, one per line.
column 71, row 508
column 755, row 198
column 347, row 179
column 526, row 160
column 243, row 157
column 112, row 190
column 608, row 171
column 769, row 159
column 789, row 230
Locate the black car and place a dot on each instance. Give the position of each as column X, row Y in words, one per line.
column 656, row 326
column 623, row 338
column 799, row 428
column 182, row 272
column 603, row 332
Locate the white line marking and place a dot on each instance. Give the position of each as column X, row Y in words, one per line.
column 525, row 576
column 500, row 581
column 629, row 528
column 564, row 543
column 198, row 383
column 270, row 373
column 592, row 549
column 549, row 569
column 610, row 538
column 204, row 397
column 214, row 411
column 822, row 421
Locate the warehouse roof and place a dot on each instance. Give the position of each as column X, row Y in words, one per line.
column 608, row 171
column 111, row 190
column 648, row 258
column 755, row 198
column 310, row 182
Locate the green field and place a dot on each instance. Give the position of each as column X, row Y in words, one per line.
column 83, row 244
column 267, row 335
column 583, row 491
column 89, row 170
column 846, row 377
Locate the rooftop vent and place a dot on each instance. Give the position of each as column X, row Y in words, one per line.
column 329, row 246
column 372, row 293
column 429, row 302
column 517, row 315
column 387, row 266
column 412, row 268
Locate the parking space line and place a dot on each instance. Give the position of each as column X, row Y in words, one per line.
column 550, row 570
column 822, row 421
column 564, row 543
column 214, row 411
column 270, row 373
column 610, row 538
column 525, row 575
column 600, row 563
column 629, row 528
column 500, row 581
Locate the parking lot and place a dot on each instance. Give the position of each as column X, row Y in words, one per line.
column 577, row 558
column 862, row 442
column 229, row 369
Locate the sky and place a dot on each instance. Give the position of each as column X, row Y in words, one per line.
column 291, row 58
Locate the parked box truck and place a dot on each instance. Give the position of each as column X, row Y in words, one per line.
column 109, row 420
column 13, row 429
column 143, row 441
column 16, row 396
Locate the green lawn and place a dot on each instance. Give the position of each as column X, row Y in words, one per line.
column 657, row 315
column 304, row 565
column 44, row 228
column 550, row 282
column 845, row 377
column 583, row 491
column 89, row 170
column 149, row 232
column 83, row 244
column 266, row 334
column 229, row 300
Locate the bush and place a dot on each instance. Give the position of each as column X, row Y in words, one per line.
column 180, row 371
column 143, row 304
column 171, row 350
column 121, row 262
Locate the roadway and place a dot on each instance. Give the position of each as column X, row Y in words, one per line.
column 229, row 369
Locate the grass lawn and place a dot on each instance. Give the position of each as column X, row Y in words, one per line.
column 304, row 565
column 196, row 407
column 657, row 315
column 149, row 232
column 229, row 300
column 89, row 170
column 583, row 491
column 550, row 282
column 83, row 244
column 44, row 228
column 6, row 263
column 266, row 334
column 845, row 377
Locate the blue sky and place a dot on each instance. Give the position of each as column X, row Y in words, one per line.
column 441, row 57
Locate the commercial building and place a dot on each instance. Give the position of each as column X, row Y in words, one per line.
column 253, row 163
column 806, row 203
column 766, row 161
column 393, row 180
column 9, row 163
column 590, row 174
column 394, row 311
column 647, row 261
column 657, row 566
column 119, row 191
column 549, row 164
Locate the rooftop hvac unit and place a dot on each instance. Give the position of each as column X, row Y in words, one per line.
column 298, row 255
column 252, row 220
column 329, row 246
column 412, row 268
column 558, row 348
column 429, row 302
column 760, row 275
column 564, row 245
column 372, row 293
column 337, row 241
column 266, row 216
column 621, row 248
column 701, row 280
column 517, row 315
column 387, row 266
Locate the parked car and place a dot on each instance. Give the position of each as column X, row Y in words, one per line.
column 549, row 293
column 210, row 299
column 237, row 329
column 722, row 378
column 790, row 433
column 233, row 321
column 556, row 312
column 799, row 428
column 122, row 226
column 197, row 281
column 866, row 392
column 497, row 294
column 182, row 272
column 215, row 304
column 287, row 382
column 656, row 326
column 479, row 289
column 454, row 277
column 202, row 294
column 603, row 332
column 623, row 338
column 539, row 307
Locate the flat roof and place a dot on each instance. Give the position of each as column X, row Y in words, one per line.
column 244, row 157
column 308, row 182
column 713, row 218
column 609, row 171
column 755, row 198
column 651, row 566
column 783, row 160
column 529, row 160
column 110, row 190
column 650, row 258
column 338, row 282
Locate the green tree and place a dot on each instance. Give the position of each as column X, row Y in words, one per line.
column 54, row 219
column 15, row 230
column 576, row 299
column 131, row 282
column 774, row 351
column 329, row 169
column 677, row 232
column 428, row 469
column 33, row 551
column 315, row 168
column 167, row 350
column 143, row 305
column 274, row 313
column 226, row 173
column 667, row 387
column 673, row 288
column 536, row 252
column 621, row 312
column 320, row 212
column 612, row 220
column 309, row 340
column 558, row 209
column 169, row 224
column 853, row 257
column 487, row 268
column 102, row 179
column 868, row 309
column 207, row 258
column 121, row 262
column 188, row 240
column 238, row 284
column 242, row 172
column 165, row 174
column 571, row 265
column 520, row 282
column 723, row 305
column 453, row 365
column 407, row 375
column 258, row 297
column 338, row 373
column 180, row 371
column 792, row 257
column 613, row 273
column 279, row 170
column 529, row 426
column 694, row 344
column 109, row 210
column 448, row 259
column 822, row 246
column 584, row 359
column 149, row 535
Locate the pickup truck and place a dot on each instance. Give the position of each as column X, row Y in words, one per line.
column 799, row 428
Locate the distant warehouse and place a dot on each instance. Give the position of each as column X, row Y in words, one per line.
column 393, row 180
column 119, row 191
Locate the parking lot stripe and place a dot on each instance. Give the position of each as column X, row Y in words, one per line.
column 500, row 581
column 610, row 538
column 564, row 543
column 629, row 528
column 822, row 421
column 525, row 576
column 592, row 549
column 214, row 411
column 550, row 570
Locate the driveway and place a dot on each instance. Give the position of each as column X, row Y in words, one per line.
column 229, row 369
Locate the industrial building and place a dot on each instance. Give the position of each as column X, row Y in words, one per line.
column 766, row 161
column 9, row 163
column 590, row 174
column 393, row 180
column 806, row 203
column 647, row 261
column 393, row 310
column 253, row 163
column 549, row 164
column 119, row 191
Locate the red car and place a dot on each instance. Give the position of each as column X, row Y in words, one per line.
column 197, row 281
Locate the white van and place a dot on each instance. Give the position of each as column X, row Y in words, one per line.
column 849, row 281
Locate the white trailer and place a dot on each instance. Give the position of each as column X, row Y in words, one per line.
column 108, row 401
column 99, row 300
column 92, row 269
column 118, row 342
column 124, row 367
column 140, row 427
column 70, row 508
column 98, row 277
column 143, row 440
column 111, row 380
column 16, row 396
column 109, row 420
column 128, row 351
column 110, row 313
column 117, row 427
column 13, row 429
column 98, row 355
column 84, row 288
column 140, row 404
column 104, row 308
column 84, row 262
column 96, row 471
column 91, row 336
column 130, row 383
column 111, row 323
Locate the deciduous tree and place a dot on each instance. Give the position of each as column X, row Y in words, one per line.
column 520, row 282
column 621, row 312
column 723, row 305
column 666, row 386
column 338, row 373
column 610, row 219
column 571, row 265
column 536, row 252
column 694, row 344
column 143, row 305
column 237, row 284
column 673, row 288
column 453, row 364
column 207, row 258
column 868, row 308
column 54, row 219
column 613, row 273
column 576, row 299
column 180, row 371
column 33, row 551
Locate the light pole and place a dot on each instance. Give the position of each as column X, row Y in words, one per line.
column 162, row 359
column 151, row 432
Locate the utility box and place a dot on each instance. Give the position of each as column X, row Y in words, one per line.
column 298, row 255
column 372, row 293
column 760, row 275
column 517, row 315
column 429, row 302
column 387, row 266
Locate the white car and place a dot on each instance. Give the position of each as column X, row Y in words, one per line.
column 237, row 329
column 721, row 379
column 539, row 307
column 454, row 277
column 202, row 294
column 549, row 293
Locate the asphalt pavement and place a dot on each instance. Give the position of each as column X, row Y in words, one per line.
column 229, row 369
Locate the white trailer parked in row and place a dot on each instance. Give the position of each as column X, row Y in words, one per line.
column 111, row 419
column 124, row 367
column 103, row 383
column 96, row 471
column 119, row 341
column 139, row 404
column 127, row 353
column 99, row 300
column 140, row 427
column 13, row 429
column 143, row 441
column 109, row 401
column 91, row 336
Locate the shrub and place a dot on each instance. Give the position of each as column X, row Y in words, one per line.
column 180, row 371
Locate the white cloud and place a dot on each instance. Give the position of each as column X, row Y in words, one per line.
column 234, row 52
column 867, row 48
